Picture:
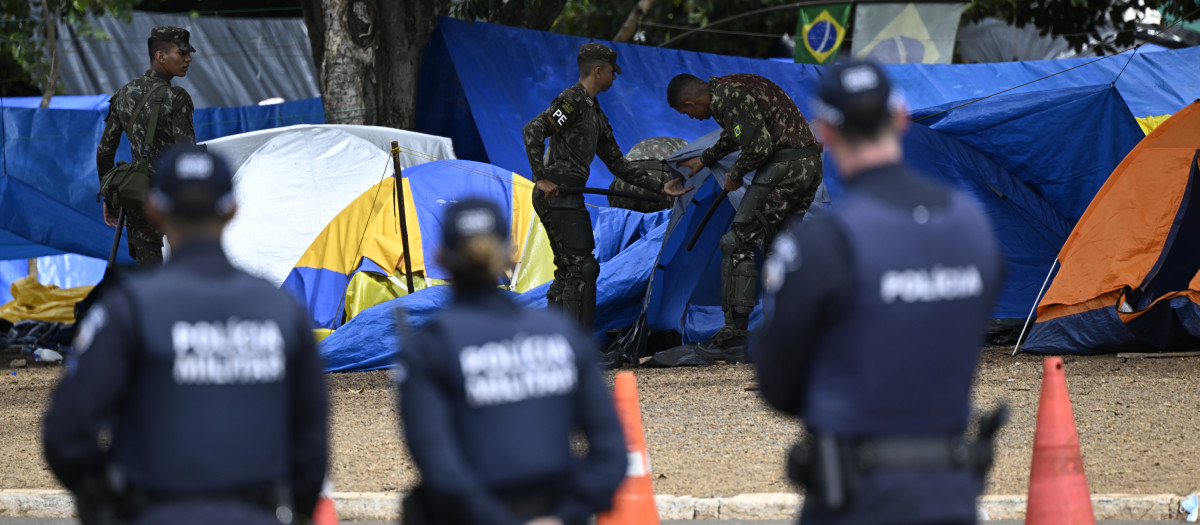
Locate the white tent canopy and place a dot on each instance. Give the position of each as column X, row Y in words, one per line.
column 291, row 181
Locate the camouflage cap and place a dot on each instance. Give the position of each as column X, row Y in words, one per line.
column 176, row 35
column 594, row 51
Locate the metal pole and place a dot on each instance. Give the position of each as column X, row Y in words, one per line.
column 112, row 254
column 1021, row 338
column 400, row 216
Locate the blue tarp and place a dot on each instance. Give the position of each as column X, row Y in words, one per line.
column 49, row 182
column 370, row 340
column 480, row 84
column 1033, row 160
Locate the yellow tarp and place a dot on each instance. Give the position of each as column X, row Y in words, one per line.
column 42, row 302
column 1149, row 123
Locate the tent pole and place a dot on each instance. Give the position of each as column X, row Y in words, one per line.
column 1021, row 339
column 400, row 215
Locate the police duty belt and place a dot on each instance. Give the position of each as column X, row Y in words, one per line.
column 562, row 188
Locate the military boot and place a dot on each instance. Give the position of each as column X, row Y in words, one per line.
column 729, row 345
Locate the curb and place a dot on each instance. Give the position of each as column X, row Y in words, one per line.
column 385, row 506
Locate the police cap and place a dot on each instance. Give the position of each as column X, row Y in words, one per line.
column 191, row 182
column 594, row 51
column 175, row 35
column 471, row 218
column 855, row 96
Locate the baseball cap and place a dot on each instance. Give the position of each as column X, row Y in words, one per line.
column 191, row 182
column 471, row 218
column 176, row 35
column 855, row 95
column 594, row 51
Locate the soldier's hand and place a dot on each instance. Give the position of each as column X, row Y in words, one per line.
column 548, row 188
column 110, row 215
column 545, row 520
column 693, row 163
column 675, row 188
column 732, row 185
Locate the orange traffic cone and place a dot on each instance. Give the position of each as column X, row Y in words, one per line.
column 1058, row 489
column 634, row 501
column 325, row 513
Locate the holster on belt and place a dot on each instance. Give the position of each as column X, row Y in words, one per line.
column 830, row 468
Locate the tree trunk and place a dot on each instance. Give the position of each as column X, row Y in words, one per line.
column 344, row 36
column 631, row 23
column 406, row 29
column 51, row 21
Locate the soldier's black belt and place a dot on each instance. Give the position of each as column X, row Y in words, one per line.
column 562, row 188
column 788, row 155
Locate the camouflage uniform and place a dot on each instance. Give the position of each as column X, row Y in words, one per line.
column 578, row 131
column 759, row 118
column 651, row 155
column 174, row 126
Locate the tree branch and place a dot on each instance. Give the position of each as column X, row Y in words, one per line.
column 631, row 23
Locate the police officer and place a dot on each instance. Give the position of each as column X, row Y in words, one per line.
column 130, row 111
column 578, row 131
column 875, row 314
column 649, row 154
column 757, row 117
column 208, row 379
column 490, row 394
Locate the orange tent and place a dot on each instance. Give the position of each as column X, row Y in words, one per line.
column 1130, row 270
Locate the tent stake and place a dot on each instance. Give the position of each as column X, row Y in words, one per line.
column 1021, row 339
column 400, row 215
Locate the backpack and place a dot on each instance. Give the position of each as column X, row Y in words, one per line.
column 128, row 183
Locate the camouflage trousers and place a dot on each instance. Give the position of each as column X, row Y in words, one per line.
column 575, row 267
column 765, row 206
column 145, row 241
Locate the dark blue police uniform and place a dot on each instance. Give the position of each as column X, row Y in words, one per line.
column 211, row 384
column 490, row 394
column 876, row 316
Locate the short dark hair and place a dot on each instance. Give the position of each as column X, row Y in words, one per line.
column 684, row 85
column 154, row 45
column 587, row 64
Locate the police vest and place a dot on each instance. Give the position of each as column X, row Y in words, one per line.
column 512, row 378
column 208, row 408
column 902, row 358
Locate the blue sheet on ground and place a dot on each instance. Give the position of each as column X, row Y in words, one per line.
column 368, row 341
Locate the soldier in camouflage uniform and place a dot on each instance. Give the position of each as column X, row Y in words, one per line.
column 649, row 154
column 578, row 131
column 170, row 55
column 757, row 117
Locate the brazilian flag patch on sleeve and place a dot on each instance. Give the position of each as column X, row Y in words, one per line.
column 737, row 131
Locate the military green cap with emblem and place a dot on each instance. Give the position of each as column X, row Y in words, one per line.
column 594, row 51
column 175, row 35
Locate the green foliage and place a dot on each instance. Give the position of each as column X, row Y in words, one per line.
column 753, row 36
column 24, row 55
column 1080, row 21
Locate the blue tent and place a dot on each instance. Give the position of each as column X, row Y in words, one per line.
column 480, row 84
column 48, row 185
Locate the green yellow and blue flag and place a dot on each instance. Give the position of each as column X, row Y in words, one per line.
column 820, row 32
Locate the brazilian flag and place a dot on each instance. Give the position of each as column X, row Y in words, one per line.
column 820, row 33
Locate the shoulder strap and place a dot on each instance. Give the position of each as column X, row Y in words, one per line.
column 153, row 119
column 137, row 110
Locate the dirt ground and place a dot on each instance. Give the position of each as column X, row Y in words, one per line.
column 1138, row 421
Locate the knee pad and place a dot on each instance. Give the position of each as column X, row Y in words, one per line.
column 729, row 242
column 589, row 269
